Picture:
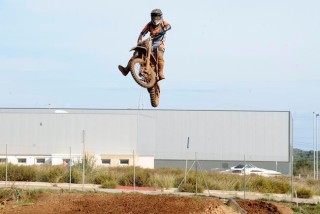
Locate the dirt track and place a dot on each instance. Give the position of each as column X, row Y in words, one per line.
column 129, row 204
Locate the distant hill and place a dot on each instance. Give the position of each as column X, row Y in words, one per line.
column 303, row 162
column 299, row 154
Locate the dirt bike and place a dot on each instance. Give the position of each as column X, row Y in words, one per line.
column 144, row 69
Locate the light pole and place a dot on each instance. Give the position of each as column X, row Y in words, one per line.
column 315, row 147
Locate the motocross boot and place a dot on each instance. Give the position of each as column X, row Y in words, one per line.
column 124, row 70
column 160, row 67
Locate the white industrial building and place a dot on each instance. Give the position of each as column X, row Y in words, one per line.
column 150, row 138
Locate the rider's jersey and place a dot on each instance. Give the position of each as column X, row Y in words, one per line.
column 154, row 32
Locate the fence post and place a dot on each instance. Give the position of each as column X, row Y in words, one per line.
column 134, row 173
column 83, row 157
column 244, row 175
column 70, row 170
column 6, row 164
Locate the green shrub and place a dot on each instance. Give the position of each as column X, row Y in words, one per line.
column 224, row 181
column 103, row 177
column 172, row 171
column 304, row 193
column 6, row 193
column 238, row 186
column 126, row 180
column 19, row 173
column 32, row 192
column 214, row 185
column 109, row 184
column 311, row 181
column 281, row 187
column 89, row 166
column 189, row 187
column 193, row 183
column 29, row 173
column 260, row 184
column 76, row 176
column 142, row 178
column 55, row 174
column 178, row 180
column 163, row 180
column 2, row 172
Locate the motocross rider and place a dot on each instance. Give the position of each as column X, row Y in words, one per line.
column 157, row 28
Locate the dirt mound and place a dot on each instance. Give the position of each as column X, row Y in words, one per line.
column 261, row 207
column 119, row 203
column 130, row 204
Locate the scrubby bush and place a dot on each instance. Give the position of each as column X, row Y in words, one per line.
column 260, row 184
column 192, row 183
column 171, row 171
column 89, row 164
column 268, row 185
column 189, row 187
column 142, row 178
column 162, row 180
column 6, row 193
column 19, row 173
column 103, row 177
column 55, row 174
column 224, row 181
column 304, row 193
column 2, row 172
column 76, row 176
column 109, row 184
column 238, row 186
column 213, row 184
column 280, row 186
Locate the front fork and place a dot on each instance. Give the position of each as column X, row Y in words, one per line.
column 147, row 69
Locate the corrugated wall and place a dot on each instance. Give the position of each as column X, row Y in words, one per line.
column 214, row 135
column 46, row 133
column 223, row 135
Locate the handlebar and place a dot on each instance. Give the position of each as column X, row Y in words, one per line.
column 149, row 38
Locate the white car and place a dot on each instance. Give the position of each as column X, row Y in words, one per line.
column 252, row 169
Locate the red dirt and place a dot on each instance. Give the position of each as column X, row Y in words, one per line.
column 127, row 203
column 262, row 207
column 137, row 188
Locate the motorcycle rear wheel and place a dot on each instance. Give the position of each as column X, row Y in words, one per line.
column 154, row 95
column 145, row 80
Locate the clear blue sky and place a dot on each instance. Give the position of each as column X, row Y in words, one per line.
column 220, row 55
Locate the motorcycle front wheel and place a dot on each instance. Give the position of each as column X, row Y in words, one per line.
column 143, row 78
column 154, row 95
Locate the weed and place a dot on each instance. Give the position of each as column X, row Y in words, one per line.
column 109, row 184
column 304, row 193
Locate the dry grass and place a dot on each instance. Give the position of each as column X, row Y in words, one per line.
column 161, row 178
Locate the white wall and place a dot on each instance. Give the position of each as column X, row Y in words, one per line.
column 223, row 135
column 146, row 162
column 214, row 135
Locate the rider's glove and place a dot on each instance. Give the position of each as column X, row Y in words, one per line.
column 162, row 32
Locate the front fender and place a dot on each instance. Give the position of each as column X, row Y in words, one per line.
column 140, row 49
column 143, row 51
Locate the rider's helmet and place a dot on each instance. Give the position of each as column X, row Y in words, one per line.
column 156, row 17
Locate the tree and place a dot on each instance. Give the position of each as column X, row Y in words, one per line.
column 302, row 166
